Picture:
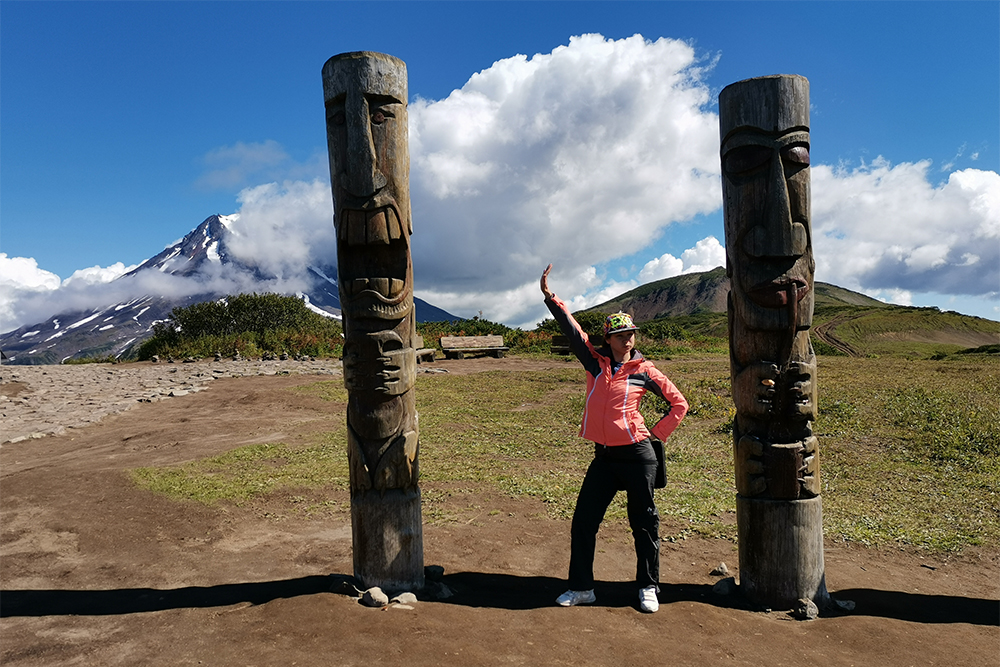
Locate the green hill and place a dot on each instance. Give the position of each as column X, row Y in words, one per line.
column 693, row 306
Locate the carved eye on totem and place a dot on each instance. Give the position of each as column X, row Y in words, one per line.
column 338, row 118
column 380, row 115
column 391, row 345
column 797, row 154
column 744, row 160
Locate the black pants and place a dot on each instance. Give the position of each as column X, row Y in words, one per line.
column 629, row 468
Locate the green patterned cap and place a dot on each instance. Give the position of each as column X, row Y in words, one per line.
column 618, row 322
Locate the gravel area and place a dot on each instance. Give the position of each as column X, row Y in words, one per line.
column 36, row 401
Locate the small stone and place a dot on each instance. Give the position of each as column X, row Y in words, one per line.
column 404, row 598
column 721, row 570
column 178, row 392
column 725, row 586
column 374, row 597
column 806, row 610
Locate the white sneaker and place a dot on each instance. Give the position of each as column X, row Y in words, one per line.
column 573, row 598
column 647, row 600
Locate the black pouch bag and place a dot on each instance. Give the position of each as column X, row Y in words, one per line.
column 661, row 464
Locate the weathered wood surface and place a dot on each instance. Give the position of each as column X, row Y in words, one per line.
column 764, row 129
column 455, row 347
column 467, row 342
column 423, row 353
column 780, row 551
column 366, row 119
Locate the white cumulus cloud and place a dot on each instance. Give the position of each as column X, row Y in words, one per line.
column 97, row 275
column 887, row 227
column 29, row 293
column 706, row 255
column 20, row 279
column 576, row 157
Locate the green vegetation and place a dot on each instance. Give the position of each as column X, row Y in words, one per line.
column 910, row 451
column 913, row 333
column 107, row 359
column 251, row 471
column 251, row 324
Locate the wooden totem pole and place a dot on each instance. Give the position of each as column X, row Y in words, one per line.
column 764, row 127
column 366, row 95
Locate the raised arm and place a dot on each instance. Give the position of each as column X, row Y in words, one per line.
column 579, row 341
column 545, row 282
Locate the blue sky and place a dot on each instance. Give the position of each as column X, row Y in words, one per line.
column 123, row 125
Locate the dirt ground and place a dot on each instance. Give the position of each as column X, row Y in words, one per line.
column 94, row 571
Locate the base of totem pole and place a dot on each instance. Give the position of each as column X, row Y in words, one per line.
column 781, row 551
column 388, row 540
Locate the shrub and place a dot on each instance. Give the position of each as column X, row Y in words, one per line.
column 251, row 324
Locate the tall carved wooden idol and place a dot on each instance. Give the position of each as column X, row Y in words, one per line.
column 764, row 127
column 366, row 95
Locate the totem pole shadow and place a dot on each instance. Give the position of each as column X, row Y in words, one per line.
column 921, row 608
column 517, row 593
column 51, row 602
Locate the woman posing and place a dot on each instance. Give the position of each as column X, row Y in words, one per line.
column 617, row 378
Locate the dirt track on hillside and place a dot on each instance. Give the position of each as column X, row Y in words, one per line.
column 95, row 571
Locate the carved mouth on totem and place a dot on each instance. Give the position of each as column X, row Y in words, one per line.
column 373, row 226
column 369, row 241
column 777, row 293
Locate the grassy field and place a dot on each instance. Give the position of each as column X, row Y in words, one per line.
column 910, row 451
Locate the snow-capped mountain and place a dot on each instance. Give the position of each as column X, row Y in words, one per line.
column 197, row 268
column 189, row 256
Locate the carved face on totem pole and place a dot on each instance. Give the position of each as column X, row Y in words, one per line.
column 365, row 95
column 765, row 176
column 764, row 127
column 369, row 170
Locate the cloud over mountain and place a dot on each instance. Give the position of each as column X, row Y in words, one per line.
column 578, row 157
column 285, row 228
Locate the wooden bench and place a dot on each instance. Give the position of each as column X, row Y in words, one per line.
column 423, row 353
column 560, row 343
column 456, row 347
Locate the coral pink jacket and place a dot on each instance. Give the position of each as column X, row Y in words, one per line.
column 611, row 413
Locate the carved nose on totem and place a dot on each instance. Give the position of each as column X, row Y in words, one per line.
column 362, row 177
column 777, row 235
